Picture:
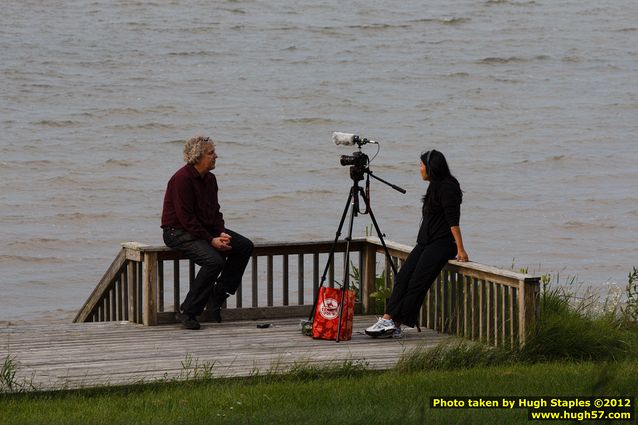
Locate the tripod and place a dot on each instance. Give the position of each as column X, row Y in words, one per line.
column 356, row 173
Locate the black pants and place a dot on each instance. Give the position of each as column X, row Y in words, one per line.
column 416, row 276
column 224, row 267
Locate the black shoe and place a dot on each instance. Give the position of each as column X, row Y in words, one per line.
column 216, row 315
column 188, row 321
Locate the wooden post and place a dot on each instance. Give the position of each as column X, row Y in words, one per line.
column 368, row 277
column 150, row 290
column 528, row 312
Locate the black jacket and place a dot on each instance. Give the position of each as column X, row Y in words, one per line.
column 441, row 210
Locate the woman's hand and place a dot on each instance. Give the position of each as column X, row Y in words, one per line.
column 462, row 256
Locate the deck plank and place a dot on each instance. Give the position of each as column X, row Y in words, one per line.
column 111, row 353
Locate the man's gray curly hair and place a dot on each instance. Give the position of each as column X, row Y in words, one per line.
column 195, row 147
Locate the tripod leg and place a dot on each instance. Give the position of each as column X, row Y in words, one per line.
column 346, row 267
column 379, row 234
column 332, row 252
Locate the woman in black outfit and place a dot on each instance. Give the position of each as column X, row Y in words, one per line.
column 438, row 241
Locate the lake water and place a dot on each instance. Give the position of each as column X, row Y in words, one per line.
column 534, row 103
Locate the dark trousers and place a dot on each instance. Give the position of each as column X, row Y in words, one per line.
column 415, row 277
column 224, row 267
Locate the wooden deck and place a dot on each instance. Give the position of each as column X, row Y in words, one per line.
column 78, row 355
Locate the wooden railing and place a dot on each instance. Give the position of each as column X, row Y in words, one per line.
column 471, row 300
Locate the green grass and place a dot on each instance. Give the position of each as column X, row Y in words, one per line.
column 361, row 398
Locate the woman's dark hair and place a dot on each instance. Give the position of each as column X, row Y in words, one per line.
column 438, row 170
column 436, row 164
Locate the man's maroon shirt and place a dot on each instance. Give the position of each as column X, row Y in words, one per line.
column 191, row 204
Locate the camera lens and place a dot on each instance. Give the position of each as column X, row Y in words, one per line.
column 348, row 160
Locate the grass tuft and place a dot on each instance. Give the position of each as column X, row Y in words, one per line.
column 8, row 381
column 569, row 330
column 452, row 355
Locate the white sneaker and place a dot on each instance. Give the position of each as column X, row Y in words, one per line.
column 383, row 328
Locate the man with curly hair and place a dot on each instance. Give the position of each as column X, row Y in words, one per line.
column 193, row 224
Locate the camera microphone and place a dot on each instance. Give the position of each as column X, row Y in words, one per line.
column 348, row 139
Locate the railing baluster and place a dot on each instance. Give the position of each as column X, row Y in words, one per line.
column 481, row 307
column 454, row 294
column 132, row 291
column 191, row 273
column 515, row 318
column 255, row 289
column 285, row 282
column 488, row 313
column 176, row 288
column 459, row 304
column 475, row 310
column 432, row 306
column 239, row 297
column 315, row 272
column 106, row 306
column 140, row 299
column 445, row 300
column 160, row 286
column 118, row 299
column 269, row 281
column 505, row 316
column 102, row 312
column 387, row 282
column 331, row 273
column 300, row 280
column 125, row 300
column 438, row 293
column 498, row 341
column 113, row 302
column 361, row 266
column 510, row 294
column 466, row 307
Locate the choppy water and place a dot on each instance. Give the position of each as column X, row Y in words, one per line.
column 535, row 104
